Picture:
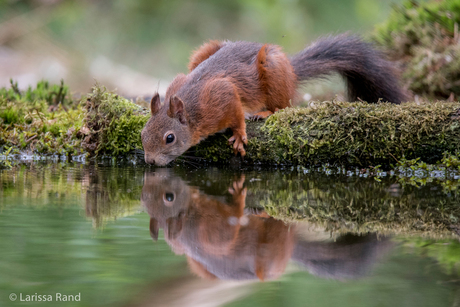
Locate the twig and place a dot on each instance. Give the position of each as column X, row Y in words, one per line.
column 393, row 157
column 15, row 87
column 31, row 138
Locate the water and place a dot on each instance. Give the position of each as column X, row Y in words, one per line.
column 137, row 236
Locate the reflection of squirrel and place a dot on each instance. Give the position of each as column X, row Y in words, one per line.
column 220, row 241
column 224, row 240
column 229, row 81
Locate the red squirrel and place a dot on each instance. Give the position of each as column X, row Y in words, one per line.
column 222, row 239
column 231, row 81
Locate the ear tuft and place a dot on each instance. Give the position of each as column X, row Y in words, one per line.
column 177, row 109
column 155, row 103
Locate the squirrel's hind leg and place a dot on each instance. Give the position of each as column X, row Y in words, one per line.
column 277, row 80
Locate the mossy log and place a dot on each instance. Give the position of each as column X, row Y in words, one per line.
column 340, row 133
column 344, row 133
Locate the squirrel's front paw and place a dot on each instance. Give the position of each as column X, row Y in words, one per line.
column 238, row 140
column 237, row 188
column 239, row 192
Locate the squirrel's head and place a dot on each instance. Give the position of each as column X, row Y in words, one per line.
column 166, row 198
column 167, row 134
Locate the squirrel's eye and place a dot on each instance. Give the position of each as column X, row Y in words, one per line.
column 169, row 197
column 170, row 138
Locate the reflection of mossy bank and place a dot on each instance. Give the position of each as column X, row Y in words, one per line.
column 105, row 194
column 112, row 193
column 351, row 204
column 340, row 203
column 446, row 252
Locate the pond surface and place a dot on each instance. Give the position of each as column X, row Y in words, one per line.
column 89, row 235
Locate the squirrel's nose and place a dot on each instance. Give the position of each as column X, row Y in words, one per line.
column 149, row 160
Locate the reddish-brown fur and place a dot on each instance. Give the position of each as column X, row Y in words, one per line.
column 277, row 79
column 203, row 53
column 221, row 239
column 198, row 226
column 260, row 97
column 230, row 81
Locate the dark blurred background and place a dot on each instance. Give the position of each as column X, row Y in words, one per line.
column 136, row 46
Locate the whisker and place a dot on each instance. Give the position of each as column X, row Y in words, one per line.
column 192, row 157
column 190, row 163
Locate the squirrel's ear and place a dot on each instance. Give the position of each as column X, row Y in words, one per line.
column 155, row 103
column 154, row 228
column 174, row 227
column 177, row 109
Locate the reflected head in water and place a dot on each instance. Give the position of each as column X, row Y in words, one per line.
column 166, row 196
column 222, row 239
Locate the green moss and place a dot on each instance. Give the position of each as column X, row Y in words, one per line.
column 345, row 133
column 52, row 94
column 451, row 161
column 45, row 120
column 10, row 116
column 423, row 38
column 337, row 133
column 112, row 124
column 32, row 121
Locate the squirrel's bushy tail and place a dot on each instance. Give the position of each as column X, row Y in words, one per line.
column 368, row 75
column 350, row 256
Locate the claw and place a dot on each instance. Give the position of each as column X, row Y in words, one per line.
column 238, row 187
column 261, row 115
column 238, row 142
